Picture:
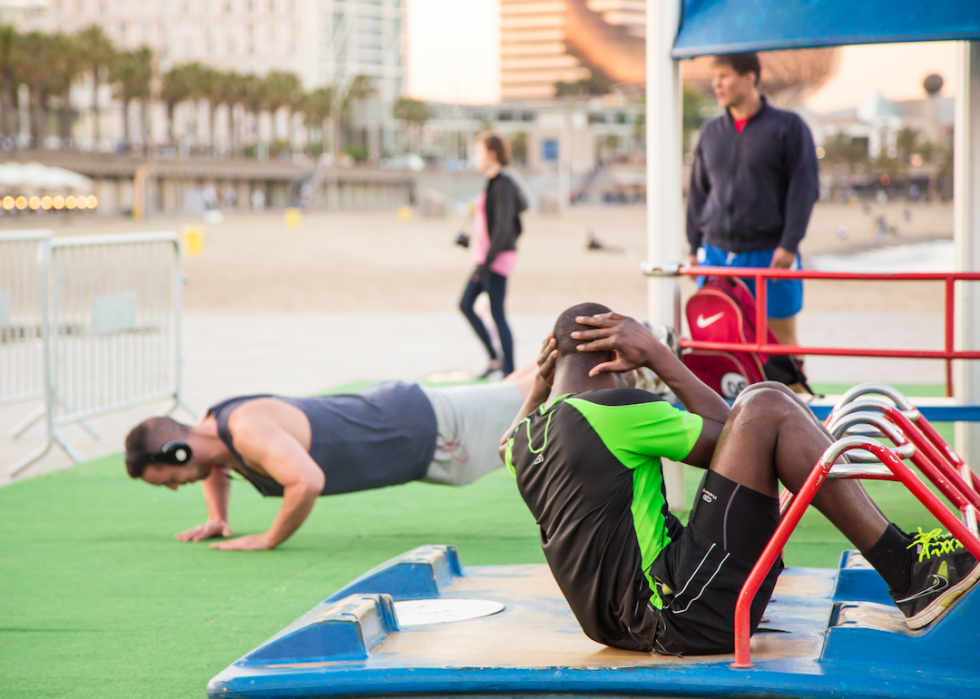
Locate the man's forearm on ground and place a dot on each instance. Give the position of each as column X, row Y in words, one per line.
column 298, row 500
column 216, row 489
column 693, row 394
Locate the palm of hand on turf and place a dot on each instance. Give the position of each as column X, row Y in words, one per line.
column 250, row 542
column 208, row 530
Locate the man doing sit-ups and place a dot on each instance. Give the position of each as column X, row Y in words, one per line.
column 301, row 448
column 586, row 448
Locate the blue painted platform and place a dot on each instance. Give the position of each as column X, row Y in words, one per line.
column 932, row 409
column 831, row 633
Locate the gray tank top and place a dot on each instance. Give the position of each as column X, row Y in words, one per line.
column 384, row 435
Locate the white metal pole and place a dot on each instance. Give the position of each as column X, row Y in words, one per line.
column 665, row 233
column 564, row 161
column 966, row 236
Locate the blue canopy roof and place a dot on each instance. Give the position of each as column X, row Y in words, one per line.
column 731, row 26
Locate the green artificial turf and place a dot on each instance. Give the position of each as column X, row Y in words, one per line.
column 97, row 599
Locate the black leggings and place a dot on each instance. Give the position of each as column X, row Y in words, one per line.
column 496, row 288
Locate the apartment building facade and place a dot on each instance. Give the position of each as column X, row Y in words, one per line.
column 323, row 42
column 543, row 42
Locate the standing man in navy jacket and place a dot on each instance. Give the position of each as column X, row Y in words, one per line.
column 753, row 186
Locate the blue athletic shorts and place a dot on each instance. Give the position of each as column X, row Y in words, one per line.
column 784, row 297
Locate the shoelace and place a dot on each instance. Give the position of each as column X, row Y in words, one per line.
column 934, row 543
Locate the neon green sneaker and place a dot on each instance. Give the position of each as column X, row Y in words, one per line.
column 942, row 572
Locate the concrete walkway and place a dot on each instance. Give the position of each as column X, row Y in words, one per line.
column 299, row 354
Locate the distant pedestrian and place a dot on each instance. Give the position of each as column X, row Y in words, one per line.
column 753, row 187
column 497, row 225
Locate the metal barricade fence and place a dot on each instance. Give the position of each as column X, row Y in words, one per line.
column 21, row 346
column 111, row 328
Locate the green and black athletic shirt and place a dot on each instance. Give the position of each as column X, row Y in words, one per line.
column 588, row 467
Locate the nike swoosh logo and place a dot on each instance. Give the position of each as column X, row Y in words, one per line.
column 939, row 583
column 703, row 322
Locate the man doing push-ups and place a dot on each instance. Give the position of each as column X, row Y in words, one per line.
column 301, row 448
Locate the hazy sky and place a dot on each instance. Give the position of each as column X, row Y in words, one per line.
column 895, row 69
column 454, row 56
column 454, row 50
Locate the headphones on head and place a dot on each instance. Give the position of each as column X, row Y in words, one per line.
column 173, row 453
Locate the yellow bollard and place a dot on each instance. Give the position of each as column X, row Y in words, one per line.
column 193, row 237
column 293, row 217
column 405, row 213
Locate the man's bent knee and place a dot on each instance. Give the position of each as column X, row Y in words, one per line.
column 768, row 397
column 764, row 386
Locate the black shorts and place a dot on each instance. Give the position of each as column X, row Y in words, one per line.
column 705, row 568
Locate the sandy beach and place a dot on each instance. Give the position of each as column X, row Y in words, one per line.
column 377, row 263
column 367, row 296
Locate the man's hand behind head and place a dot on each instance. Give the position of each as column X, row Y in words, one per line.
column 545, row 375
column 630, row 341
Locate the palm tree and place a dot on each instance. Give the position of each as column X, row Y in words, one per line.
column 144, row 56
column 359, row 89
column 11, row 57
column 412, row 112
column 222, row 91
column 64, row 67
column 317, row 107
column 174, row 90
column 253, row 101
column 132, row 72
column 279, row 90
column 97, row 53
column 236, row 86
column 198, row 79
column 905, row 142
column 36, row 74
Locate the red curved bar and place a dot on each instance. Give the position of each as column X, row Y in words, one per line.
column 937, row 439
column 743, row 623
column 743, row 655
column 929, row 499
column 937, row 459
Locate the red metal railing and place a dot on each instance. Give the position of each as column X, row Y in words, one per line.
column 948, row 353
column 932, row 455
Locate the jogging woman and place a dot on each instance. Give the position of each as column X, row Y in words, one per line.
column 496, row 229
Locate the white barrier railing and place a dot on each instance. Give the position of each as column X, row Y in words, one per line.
column 111, row 328
column 21, row 346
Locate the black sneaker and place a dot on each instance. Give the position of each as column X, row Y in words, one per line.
column 941, row 572
column 492, row 373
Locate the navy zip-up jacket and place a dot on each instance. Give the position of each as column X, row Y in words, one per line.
column 753, row 190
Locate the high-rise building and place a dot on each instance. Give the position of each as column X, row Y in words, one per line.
column 324, row 42
column 629, row 14
column 359, row 37
column 533, row 54
column 543, row 42
column 250, row 36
